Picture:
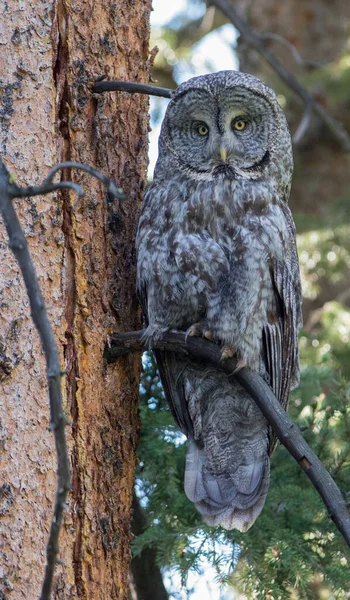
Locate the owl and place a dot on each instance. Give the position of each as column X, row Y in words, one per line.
column 217, row 258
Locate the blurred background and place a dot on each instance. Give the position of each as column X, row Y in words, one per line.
column 293, row 551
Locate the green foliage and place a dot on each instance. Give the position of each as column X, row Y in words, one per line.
column 293, row 548
column 324, row 254
column 296, row 541
column 334, row 79
column 324, row 257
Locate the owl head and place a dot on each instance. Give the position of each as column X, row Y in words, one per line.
column 226, row 124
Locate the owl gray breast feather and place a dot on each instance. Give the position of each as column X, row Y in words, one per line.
column 217, row 257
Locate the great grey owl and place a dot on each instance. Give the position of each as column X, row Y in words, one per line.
column 217, row 257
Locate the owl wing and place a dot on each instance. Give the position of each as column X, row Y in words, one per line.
column 171, row 368
column 281, row 331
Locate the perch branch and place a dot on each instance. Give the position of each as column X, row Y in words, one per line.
column 19, row 247
column 287, row 432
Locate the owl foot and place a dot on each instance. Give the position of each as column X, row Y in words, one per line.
column 199, row 329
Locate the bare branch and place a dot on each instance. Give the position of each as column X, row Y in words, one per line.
column 111, row 187
column 45, row 188
column 49, row 186
column 133, row 88
column 268, row 35
column 19, row 247
column 287, row 432
column 303, row 125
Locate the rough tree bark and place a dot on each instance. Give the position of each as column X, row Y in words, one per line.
column 83, row 251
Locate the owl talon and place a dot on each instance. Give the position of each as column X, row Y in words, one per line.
column 208, row 334
column 199, row 330
column 194, row 331
column 227, row 351
column 240, row 365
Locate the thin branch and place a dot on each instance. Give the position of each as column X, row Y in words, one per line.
column 111, row 187
column 45, row 188
column 19, row 247
column 256, row 41
column 268, row 35
column 303, row 125
column 287, row 432
column 49, row 186
column 128, row 86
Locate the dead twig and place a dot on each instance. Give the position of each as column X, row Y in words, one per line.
column 48, row 185
column 268, row 35
column 18, row 245
column 132, row 88
column 287, row 432
column 303, row 125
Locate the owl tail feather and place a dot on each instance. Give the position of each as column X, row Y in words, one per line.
column 232, row 500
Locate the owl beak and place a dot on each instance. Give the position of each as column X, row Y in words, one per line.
column 223, row 154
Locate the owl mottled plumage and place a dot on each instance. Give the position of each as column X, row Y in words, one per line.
column 217, row 256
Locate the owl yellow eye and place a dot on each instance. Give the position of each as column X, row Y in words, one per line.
column 202, row 129
column 239, row 124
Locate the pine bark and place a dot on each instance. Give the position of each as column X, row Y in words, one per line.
column 51, row 53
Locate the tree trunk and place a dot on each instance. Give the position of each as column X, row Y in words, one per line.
column 83, row 252
column 146, row 577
